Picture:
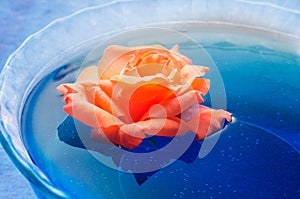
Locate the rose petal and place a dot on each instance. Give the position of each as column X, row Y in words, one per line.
column 88, row 75
column 174, row 106
column 79, row 107
column 201, row 84
column 117, row 137
column 125, row 83
column 98, row 97
column 147, row 71
column 158, row 57
column 144, row 97
column 107, row 86
column 205, row 121
column 135, row 98
column 168, row 127
column 112, row 62
column 189, row 72
column 175, row 48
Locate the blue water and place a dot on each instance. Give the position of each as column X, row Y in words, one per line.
column 256, row 156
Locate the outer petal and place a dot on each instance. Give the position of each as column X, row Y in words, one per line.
column 107, row 86
column 189, row 72
column 131, row 135
column 100, row 98
column 116, row 136
column 79, row 107
column 205, row 121
column 88, row 75
column 175, row 48
column 168, row 127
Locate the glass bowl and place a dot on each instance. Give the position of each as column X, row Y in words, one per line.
column 73, row 37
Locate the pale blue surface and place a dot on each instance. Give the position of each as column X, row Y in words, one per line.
column 18, row 20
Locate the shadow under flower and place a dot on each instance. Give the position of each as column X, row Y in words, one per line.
column 76, row 134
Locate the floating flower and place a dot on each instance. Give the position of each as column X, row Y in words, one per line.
column 139, row 92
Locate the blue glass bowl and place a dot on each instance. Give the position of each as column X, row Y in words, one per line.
column 75, row 36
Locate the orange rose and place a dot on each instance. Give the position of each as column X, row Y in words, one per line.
column 137, row 92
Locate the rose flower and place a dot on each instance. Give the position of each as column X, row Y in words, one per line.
column 137, row 92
